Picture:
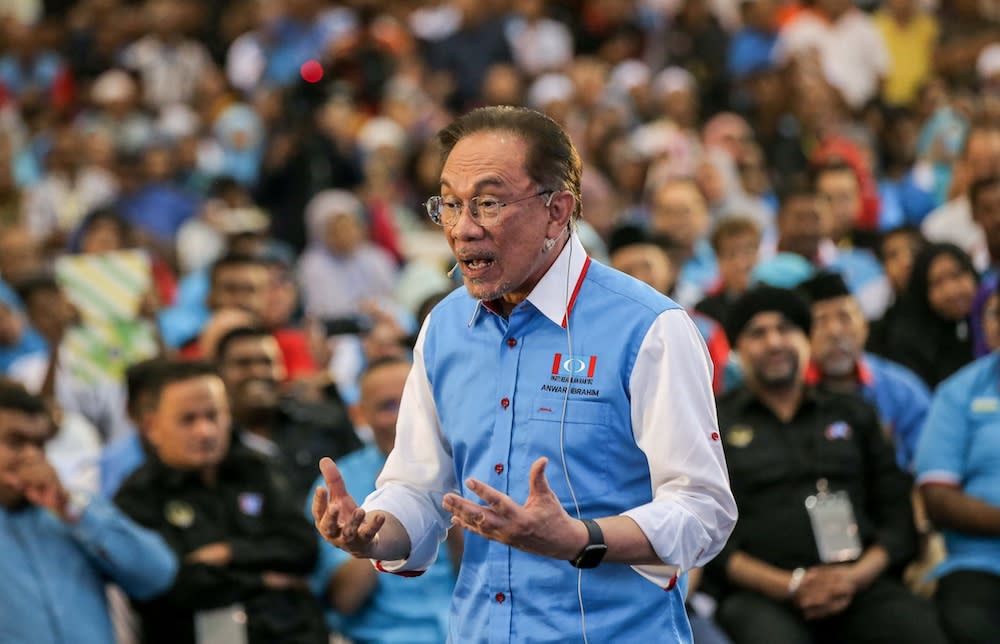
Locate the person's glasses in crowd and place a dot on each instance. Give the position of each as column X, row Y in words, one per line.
column 485, row 211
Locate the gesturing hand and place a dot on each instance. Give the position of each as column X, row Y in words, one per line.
column 540, row 526
column 338, row 517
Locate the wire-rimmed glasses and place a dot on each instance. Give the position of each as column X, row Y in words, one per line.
column 485, row 210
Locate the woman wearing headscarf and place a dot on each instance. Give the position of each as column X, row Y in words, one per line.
column 929, row 328
column 341, row 269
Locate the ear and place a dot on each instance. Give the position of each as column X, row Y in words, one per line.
column 561, row 207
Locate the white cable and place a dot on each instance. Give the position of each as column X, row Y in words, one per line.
column 562, row 443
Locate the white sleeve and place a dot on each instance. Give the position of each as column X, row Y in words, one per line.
column 675, row 424
column 418, row 472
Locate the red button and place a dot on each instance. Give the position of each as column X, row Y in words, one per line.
column 715, row 436
column 505, row 402
column 500, row 597
column 499, row 468
column 511, row 342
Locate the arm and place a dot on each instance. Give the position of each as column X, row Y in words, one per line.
column 135, row 558
column 951, row 508
column 941, row 464
column 888, row 492
column 417, row 473
column 351, row 586
column 674, row 421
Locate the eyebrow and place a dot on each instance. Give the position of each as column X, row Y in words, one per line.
column 496, row 182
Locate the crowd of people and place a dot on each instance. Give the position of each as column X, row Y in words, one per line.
column 216, row 260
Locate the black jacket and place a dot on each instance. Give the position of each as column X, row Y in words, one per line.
column 250, row 508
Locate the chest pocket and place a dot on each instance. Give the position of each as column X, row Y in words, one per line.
column 588, row 440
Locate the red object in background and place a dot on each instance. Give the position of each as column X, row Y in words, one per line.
column 311, row 71
column 382, row 230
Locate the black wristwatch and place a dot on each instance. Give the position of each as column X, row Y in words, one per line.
column 594, row 551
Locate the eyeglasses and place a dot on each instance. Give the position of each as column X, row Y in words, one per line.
column 485, row 211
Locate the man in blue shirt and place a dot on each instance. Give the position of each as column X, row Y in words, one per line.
column 60, row 547
column 838, row 363
column 958, row 471
column 362, row 604
column 545, row 359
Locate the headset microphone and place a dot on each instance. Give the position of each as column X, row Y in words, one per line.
column 454, row 268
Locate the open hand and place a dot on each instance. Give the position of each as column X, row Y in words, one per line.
column 540, row 526
column 339, row 519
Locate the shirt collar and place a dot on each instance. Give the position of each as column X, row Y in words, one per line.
column 862, row 373
column 556, row 292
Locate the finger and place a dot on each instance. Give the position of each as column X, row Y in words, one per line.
column 319, row 504
column 500, row 502
column 538, row 485
column 471, row 514
column 335, row 486
column 352, row 523
column 371, row 526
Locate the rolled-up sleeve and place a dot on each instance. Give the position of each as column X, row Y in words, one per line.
column 418, row 472
column 675, row 424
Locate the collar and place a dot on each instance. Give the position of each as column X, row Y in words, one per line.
column 555, row 294
column 862, row 373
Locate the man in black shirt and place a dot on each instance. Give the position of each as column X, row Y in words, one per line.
column 245, row 548
column 825, row 516
column 294, row 434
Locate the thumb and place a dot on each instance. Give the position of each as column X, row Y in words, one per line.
column 537, row 484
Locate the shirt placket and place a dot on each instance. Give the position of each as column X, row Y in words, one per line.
column 509, row 351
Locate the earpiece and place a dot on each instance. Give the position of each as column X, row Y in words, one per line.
column 548, row 244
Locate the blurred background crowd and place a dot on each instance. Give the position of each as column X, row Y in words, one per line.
column 241, row 183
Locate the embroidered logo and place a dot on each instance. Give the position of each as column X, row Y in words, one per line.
column 985, row 405
column 837, row 431
column 251, row 503
column 575, row 372
column 574, row 366
column 179, row 513
column 739, row 436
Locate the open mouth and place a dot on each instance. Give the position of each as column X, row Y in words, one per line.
column 476, row 264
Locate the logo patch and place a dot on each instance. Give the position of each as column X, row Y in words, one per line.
column 739, row 436
column 179, row 513
column 985, row 405
column 574, row 366
column 251, row 503
column 837, row 431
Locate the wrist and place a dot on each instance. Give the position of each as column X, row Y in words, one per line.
column 74, row 505
column 579, row 538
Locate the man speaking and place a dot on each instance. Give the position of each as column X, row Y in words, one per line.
column 558, row 410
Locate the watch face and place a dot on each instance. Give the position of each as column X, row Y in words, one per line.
column 591, row 556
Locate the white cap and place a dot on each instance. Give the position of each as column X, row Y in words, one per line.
column 628, row 75
column 673, row 79
column 549, row 88
column 379, row 132
column 112, row 85
column 988, row 63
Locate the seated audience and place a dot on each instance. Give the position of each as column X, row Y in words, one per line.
column 61, row 545
column 243, row 545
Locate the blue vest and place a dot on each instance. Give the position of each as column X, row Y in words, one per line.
column 499, row 387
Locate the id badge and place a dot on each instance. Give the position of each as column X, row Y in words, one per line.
column 834, row 526
column 227, row 625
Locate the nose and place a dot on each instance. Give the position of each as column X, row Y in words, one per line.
column 466, row 227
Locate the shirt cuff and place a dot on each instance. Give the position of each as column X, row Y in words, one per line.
column 410, row 508
column 665, row 524
column 941, row 477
